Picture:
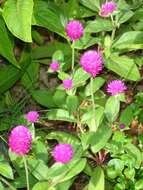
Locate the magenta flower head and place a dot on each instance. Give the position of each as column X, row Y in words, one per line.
column 92, row 62
column 115, row 87
column 63, row 153
column 54, row 66
column 32, row 116
column 107, row 9
column 74, row 30
column 68, row 84
column 20, row 140
column 122, row 126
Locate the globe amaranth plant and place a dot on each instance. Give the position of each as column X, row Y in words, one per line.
column 93, row 54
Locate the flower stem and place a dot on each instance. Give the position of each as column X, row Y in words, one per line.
column 26, row 172
column 72, row 46
column 7, row 183
column 92, row 94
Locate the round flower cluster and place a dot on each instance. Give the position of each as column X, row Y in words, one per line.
column 20, row 140
column 115, row 87
column 107, row 9
column 63, row 153
column 74, row 30
column 68, row 84
column 92, row 62
column 54, row 66
column 32, row 116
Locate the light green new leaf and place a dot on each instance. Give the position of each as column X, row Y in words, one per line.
column 42, row 186
column 6, row 170
column 18, row 16
column 97, row 180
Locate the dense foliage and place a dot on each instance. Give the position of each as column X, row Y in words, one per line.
column 84, row 80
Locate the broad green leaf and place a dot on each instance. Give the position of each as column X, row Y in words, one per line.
column 44, row 98
column 49, row 49
column 38, row 169
column 18, row 15
column 97, row 83
column 117, row 165
column 99, row 25
column 63, row 137
column 80, row 77
column 97, row 139
column 65, row 185
column 48, row 18
column 6, row 170
column 93, row 5
column 123, row 66
column 60, row 114
column 9, row 74
column 63, row 173
column 97, row 180
column 135, row 152
column 40, row 150
column 6, row 47
column 30, row 77
column 72, row 103
column 139, row 184
column 86, row 41
column 130, row 40
column 127, row 116
column 112, row 108
column 42, row 186
column 1, row 186
column 59, row 98
column 125, row 15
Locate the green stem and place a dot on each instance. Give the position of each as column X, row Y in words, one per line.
column 26, row 172
column 72, row 57
column 114, row 30
column 92, row 94
column 7, row 183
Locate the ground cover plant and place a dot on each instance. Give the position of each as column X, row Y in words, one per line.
column 71, row 100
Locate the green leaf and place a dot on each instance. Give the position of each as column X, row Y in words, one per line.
column 6, row 47
column 18, row 15
column 1, row 186
column 97, row 180
column 135, row 152
column 112, row 108
column 48, row 18
column 97, row 83
column 123, row 66
column 44, row 98
column 60, row 114
column 59, row 98
column 6, row 170
column 93, row 5
column 117, row 165
column 31, row 75
column 38, row 168
column 72, row 103
column 42, row 186
column 63, row 137
column 127, row 116
column 97, row 139
column 130, row 40
column 9, row 75
column 99, row 25
column 80, row 77
column 86, row 41
column 125, row 15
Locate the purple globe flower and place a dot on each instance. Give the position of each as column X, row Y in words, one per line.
column 68, row 84
column 74, row 30
column 63, row 153
column 54, row 66
column 32, row 116
column 92, row 62
column 115, row 87
column 122, row 126
column 20, row 140
column 107, row 9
